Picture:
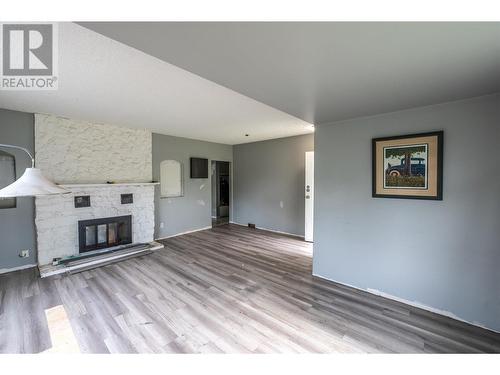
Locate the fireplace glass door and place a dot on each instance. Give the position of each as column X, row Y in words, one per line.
column 103, row 233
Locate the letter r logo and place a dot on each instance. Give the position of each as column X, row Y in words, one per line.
column 27, row 50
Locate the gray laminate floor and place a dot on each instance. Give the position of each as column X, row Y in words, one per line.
column 229, row 289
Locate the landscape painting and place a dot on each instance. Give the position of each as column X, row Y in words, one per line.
column 408, row 166
column 405, row 167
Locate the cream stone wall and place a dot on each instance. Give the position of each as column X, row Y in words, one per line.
column 70, row 151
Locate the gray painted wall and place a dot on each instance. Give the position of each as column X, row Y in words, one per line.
column 267, row 173
column 193, row 210
column 451, row 260
column 17, row 225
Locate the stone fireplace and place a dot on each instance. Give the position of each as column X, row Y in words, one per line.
column 83, row 157
column 58, row 221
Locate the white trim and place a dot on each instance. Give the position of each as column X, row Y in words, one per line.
column 309, row 197
column 419, row 305
column 270, row 230
column 7, row 270
column 187, row 232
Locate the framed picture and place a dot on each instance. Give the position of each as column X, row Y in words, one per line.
column 408, row 166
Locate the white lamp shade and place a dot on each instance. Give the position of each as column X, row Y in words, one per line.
column 31, row 184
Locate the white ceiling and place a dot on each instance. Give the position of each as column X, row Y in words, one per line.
column 329, row 71
column 304, row 73
column 104, row 81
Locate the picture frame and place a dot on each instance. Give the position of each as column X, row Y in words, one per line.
column 408, row 166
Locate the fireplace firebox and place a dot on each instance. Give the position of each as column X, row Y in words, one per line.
column 102, row 233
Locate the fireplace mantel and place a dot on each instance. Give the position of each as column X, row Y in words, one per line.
column 69, row 186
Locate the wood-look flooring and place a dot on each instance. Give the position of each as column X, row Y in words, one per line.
column 229, row 289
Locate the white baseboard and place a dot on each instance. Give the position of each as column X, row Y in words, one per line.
column 270, row 230
column 187, row 232
column 7, row 270
column 419, row 305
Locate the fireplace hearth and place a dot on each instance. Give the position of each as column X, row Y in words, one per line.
column 104, row 233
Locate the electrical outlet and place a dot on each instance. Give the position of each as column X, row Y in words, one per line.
column 162, row 225
column 24, row 253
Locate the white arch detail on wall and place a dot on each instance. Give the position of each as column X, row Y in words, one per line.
column 171, row 179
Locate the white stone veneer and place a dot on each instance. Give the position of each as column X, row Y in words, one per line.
column 57, row 218
column 70, row 151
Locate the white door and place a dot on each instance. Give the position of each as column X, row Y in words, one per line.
column 309, row 194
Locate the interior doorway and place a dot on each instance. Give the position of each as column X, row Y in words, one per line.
column 221, row 185
column 309, row 197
